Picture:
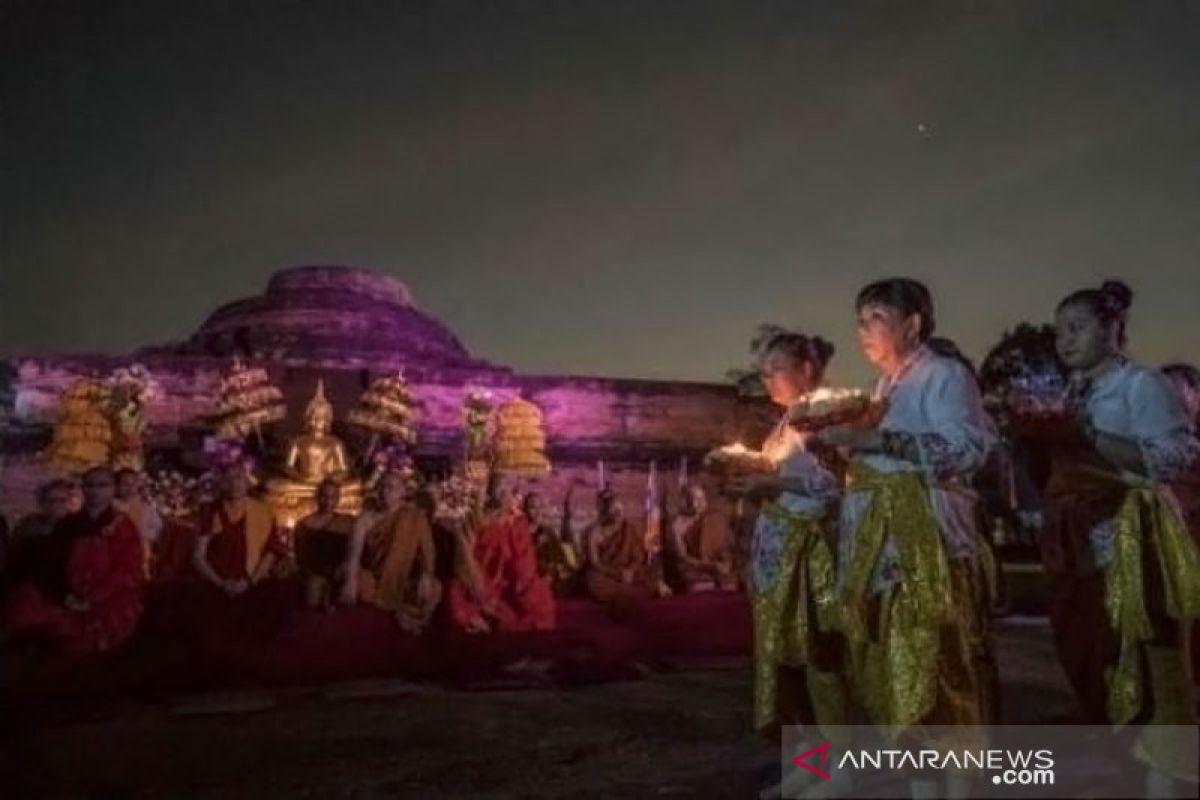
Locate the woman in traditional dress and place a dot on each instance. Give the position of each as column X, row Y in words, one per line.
column 1186, row 379
column 1124, row 571
column 799, row 656
column 909, row 548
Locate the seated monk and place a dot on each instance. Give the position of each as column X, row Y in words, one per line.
column 88, row 599
column 237, row 547
column 391, row 560
column 701, row 546
column 444, row 538
column 132, row 500
column 622, row 564
column 557, row 557
column 31, row 536
column 322, row 542
column 497, row 585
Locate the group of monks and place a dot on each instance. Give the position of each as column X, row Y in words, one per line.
column 82, row 578
column 78, row 576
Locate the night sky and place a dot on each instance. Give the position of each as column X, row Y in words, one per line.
column 619, row 188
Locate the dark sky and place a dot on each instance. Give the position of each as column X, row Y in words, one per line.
column 621, row 188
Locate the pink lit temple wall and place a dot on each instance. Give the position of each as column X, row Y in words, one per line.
column 626, row 423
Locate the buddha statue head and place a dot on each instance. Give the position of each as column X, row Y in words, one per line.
column 318, row 416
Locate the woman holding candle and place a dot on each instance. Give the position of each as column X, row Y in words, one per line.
column 909, row 546
column 798, row 655
column 1124, row 571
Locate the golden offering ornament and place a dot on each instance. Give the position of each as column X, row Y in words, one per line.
column 736, row 459
column 388, row 409
column 827, row 407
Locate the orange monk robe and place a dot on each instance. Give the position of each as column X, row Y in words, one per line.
column 94, row 603
column 620, row 567
column 702, row 552
column 396, row 572
column 497, row 579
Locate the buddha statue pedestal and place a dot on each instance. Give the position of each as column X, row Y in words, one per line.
column 292, row 501
column 314, row 456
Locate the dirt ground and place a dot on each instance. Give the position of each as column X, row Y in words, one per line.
column 685, row 734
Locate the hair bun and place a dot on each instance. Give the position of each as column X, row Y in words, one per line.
column 1118, row 295
column 823, row 348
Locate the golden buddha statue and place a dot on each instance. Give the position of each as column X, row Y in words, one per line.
column 312, row 457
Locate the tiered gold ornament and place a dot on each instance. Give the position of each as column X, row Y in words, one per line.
column 130, row 390
column 247, row 401
column 477, row 411
column 826, row 407
column 83, row 435
column 387, row 409
column 520, row 443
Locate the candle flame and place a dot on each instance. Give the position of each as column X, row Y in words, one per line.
column 829, row 393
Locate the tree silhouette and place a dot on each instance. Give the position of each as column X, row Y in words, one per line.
column 746, row 379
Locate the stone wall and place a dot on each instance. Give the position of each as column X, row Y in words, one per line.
column 627, row 423
column 345, row 326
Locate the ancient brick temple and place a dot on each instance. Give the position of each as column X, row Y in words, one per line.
column 346, row 326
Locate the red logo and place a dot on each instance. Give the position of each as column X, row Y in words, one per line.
column 823, row 749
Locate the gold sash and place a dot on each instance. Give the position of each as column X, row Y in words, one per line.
column 807, row 576
column 784, row 633
column 922, row 602
column 1144, row 519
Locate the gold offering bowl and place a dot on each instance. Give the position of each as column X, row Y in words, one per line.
column 736, row 459
column 825, row 408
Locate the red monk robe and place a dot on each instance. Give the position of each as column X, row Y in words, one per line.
column 98, row 602
column 237, row 545
column 241, row 536
column 496, row 584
